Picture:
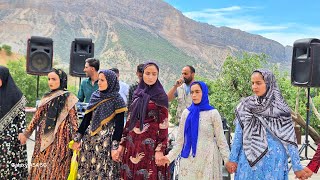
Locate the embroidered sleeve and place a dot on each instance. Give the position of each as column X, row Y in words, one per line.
column 295, row 159
column 73, row 119
column 34, row 122
column 236, row 145
column 219, row 134
column 173, row 154
column 162, row 138
column 21, row 121
column 314, row 164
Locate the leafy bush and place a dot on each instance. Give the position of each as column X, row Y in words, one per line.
column 7, row 48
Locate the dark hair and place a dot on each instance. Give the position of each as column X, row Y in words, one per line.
column 140, row 68
column 116, row 70
column 191, row 68
column 93, row 63
column 63, row 78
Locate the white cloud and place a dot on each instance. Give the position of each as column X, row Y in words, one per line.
column 242, row 18
column 227, row 9
column 232, row 17
column 286, row 38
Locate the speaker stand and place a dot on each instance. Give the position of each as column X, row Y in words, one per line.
column 306, row 144
column 38, row 79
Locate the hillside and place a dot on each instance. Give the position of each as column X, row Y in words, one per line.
column 126, row 33
column 4, row 58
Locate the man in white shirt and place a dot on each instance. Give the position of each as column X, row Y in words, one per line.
column 124, row 87
column 181, row 90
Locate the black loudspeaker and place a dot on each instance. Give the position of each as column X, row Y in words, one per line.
column 81, row 49
column 305, row 70
column 39, row 55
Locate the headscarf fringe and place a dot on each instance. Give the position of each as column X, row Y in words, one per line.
column 9, row 117
column 94, row 107
column 109, row 118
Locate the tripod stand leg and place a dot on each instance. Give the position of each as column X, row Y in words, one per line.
column 306, row 143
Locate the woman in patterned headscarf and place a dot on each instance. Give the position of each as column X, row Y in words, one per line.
column 13, row 155
column 264, row 135
column 144, row 139
column 100, row 130
column 55, row 120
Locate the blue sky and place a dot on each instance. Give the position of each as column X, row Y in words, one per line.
column 281, row 20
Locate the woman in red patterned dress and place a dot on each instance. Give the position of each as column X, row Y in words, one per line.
column 144, row 139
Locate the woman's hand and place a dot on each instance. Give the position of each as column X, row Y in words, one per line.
column 115, row 155
column 22, row 138
column 76, row 146
column 164, row 161
column 308, row 172
column 301, row 175
column 158, row 157
column 231, row 167
column 120, row 150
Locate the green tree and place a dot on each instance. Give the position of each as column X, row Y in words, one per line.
column 233, row 82
column 172, row 111
column 7, row 48
column 27, row 83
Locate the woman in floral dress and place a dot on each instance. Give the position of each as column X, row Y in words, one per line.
column 144, row 139
column 13, row 155
column 100, row 131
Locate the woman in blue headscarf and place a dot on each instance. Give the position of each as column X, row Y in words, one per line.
column 100, row 130
column 201, row 141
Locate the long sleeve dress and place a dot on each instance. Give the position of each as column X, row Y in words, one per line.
column 54, row 161
column 13, row 155
column 212, row 148
column 141, row 146
column 274, row 164
column 314, row 164
column 95, row 160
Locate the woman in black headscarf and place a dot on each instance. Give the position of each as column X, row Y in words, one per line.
column 145, row 136
column 100, row 130
column 56, row 120
column 13, row 156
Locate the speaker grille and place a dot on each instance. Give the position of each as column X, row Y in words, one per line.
column 39, row 55
column 81, row 49
column 40, row 62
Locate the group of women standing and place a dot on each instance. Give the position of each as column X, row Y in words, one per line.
column 264, row 135
column 101, row 137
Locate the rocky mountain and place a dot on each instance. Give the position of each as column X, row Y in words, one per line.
column 128, row 32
